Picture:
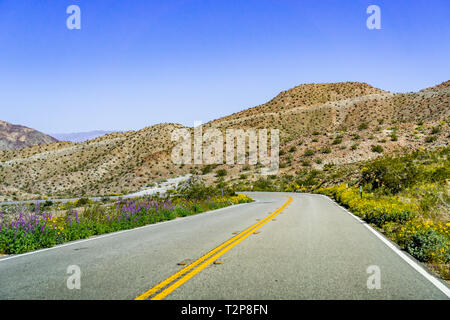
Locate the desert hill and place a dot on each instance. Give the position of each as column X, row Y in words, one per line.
column 320, row 125
column 14, row 136
column 442, row 86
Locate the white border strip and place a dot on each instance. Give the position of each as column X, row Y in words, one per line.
column 437, row 283
column 122, row 231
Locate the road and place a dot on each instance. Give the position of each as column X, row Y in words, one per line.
column 283, row 246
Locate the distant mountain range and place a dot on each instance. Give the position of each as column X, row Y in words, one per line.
column 80, row 136
column 14, row 136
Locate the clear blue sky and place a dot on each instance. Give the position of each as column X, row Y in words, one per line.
column 137, row 63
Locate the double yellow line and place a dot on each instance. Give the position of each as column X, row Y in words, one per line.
column 179, row 278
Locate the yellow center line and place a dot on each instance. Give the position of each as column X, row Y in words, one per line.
column 217, row 252
column 192, row 265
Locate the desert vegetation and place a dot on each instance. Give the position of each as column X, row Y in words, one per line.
column 406, row 196
column 37, row 227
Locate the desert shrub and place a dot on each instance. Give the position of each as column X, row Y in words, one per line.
column 263, row 184
column 306, row 163
column 207, row 169
column 199, row 191
column 82, row 202
column 363, row 126
column 435, row 130
column 428, row 245
column 354, row 146
column 394, row 174
column 46, row 204
column 394, row 137
column 440, row 173
column 221, row 173
column 308, row 177
column 377, row 148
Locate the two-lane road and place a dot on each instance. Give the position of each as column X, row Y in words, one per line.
column 283, row 246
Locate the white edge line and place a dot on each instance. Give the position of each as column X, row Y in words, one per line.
column 437, row 283
column 121, row 231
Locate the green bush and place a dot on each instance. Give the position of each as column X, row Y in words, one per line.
column 394, row 174
column 263, row 184
column 206, row 169
column 354, row 146
column 394, row 137
column 198, row 191
column 377, row 148
column 435, row 130
column 306, row 163
column 221, row 173
column 424, row 245
column 363, row 126
column 82, row 201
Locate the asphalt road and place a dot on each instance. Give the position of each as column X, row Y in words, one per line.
column 298, row 246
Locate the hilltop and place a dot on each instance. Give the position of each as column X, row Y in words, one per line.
column 442, row 86
column 14, row 136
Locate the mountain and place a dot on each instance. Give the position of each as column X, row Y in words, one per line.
column 320, row 125
column 442, row 86
column 79, row 136
column 14, row 136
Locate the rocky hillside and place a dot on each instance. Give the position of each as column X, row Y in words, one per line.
column 443, row 86
column 320, row 125
column 322, row 130
column 14, row 136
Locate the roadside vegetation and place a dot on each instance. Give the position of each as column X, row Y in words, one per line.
column 43, row 227
column 408, row 199
column 405, row 196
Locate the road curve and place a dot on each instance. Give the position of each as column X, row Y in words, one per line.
column 283, row 246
